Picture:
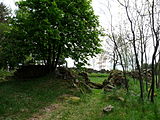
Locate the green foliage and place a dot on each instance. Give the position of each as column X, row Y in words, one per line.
column 5, row 14
column 50, row 30
column 4, row 74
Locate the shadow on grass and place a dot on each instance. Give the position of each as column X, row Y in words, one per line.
column 21, row 99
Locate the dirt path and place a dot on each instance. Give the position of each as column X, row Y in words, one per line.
column 90, row 106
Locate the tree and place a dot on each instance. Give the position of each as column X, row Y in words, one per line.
column 132, row 22
column 5, row 14
column 155, row 28
column 53, row 29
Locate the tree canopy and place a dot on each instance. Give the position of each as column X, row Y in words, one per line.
column 5, row 14
column 50, row 30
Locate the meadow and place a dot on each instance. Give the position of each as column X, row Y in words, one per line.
column 40, row 98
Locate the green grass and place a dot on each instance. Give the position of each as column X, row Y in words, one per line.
column 98, row 75
column 91, row 106
column 97, row 79
column 20, row 100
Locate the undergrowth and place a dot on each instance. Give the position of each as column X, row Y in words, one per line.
column 20, row 100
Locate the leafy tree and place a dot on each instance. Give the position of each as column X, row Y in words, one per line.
column 53, row 29
column 5, row 14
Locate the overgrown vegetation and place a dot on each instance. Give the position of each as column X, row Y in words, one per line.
column 42, row 34
column 42, row 98
column 4, row 74
column 19, row 100
column 126, row 106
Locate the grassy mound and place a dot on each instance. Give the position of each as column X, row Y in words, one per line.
column 21, row 99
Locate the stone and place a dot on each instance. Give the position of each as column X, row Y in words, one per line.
column 108, row 109
column 64, row 73
column 115, row 78
column 95, row 85
column 74, row 99
column 121, row 99
column 85, row 77
column 108, row 88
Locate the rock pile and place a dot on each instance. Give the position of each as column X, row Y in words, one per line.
column 115, row 78
column 89, row 83
column 145, row 74
column 64, row 73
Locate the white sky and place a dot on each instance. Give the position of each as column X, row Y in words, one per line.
column 9, row 3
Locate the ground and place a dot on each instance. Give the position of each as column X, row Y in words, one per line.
column 43, row 99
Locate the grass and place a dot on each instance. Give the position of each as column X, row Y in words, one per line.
column 98, row 75
column 91, row 106
column 97, row 79
column 20, row 100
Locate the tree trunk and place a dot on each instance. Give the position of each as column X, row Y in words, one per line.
column 57, row 59
column 136, row 55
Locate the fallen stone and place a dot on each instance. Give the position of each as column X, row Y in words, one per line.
column 121, row 99
column 95, row 85
column 70, row 98
column 74, row 99
column 108, row 88
column 108, row 109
